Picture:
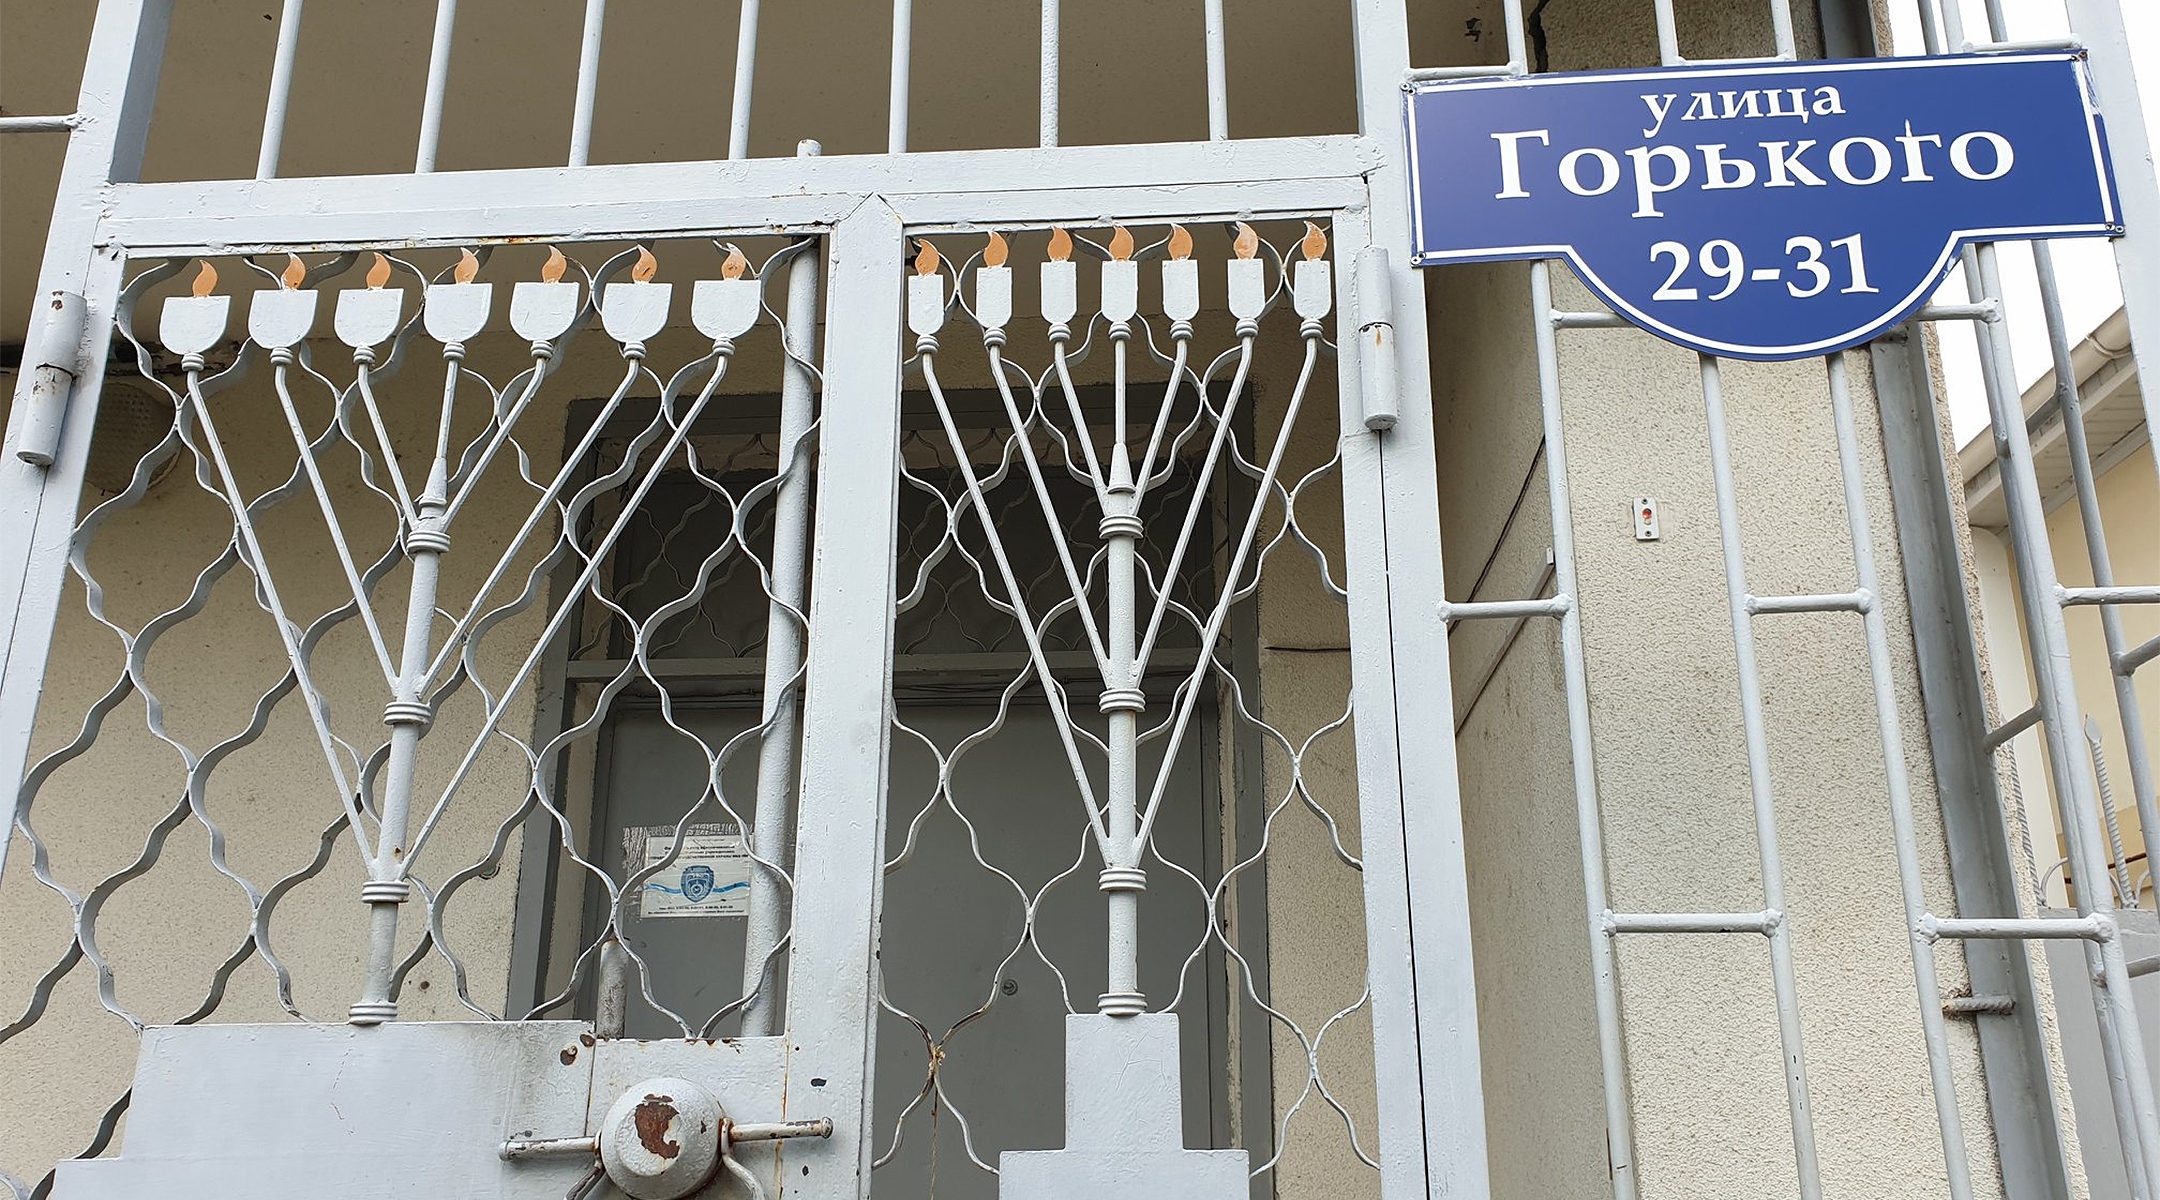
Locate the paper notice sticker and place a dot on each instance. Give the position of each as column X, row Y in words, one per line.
column 710, row 878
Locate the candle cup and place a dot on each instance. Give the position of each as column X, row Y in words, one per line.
column 1248, row 288
column 926, row 304
column 1120, row 290
column 279, row 319
column 1312, row 288
column 724, row 309
column 993, row 296
column 457, row 312
column 367, row 316
column 193, row 324
column 542, row 312
column 1181, row 289
column 1060, row 292
column 635, row 312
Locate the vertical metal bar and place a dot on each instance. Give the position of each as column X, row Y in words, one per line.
column 1756, row 731
column 281, row 73
column 438, row 85
column 1419, row 885
column 771, row 830
column 1052, row 56
column 2127, row 708
column 1781, row 29
column 2099, row 25
column 832, row 1013
column 588, row 82
column 738, row 142
column 1518, row 41
column 1218, row 72
column 1589, row 826
column 1668, row 33
column 2013, row 1048
column 903, row 53
column 38, row 505
column 1890, row 730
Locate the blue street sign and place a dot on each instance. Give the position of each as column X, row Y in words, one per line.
column 1770, row 211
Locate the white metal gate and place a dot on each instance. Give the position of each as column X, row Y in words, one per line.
column 807, row 500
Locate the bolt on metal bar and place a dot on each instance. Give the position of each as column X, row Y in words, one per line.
column 1590, row 833
column 2146, row 594
column 1890, row 731
column 438, row 86
column 588, row 82
column 903, row 53
column 770, row 832
column 1475, row 610
column 1859, row 601
column 1748, row 922
column 1755, row 729
column 1218, row 71
column 1979, row 1006
column 280, row 99
column 56, row 123
column 1589, row 320
column 746, row 35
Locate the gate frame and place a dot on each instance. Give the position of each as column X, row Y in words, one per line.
column 1426, row 1061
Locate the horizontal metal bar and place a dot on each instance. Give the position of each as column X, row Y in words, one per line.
column 1474, row 610
column 1481, row 71
column 54, row 123
column 1857, row 602
column 2143, row 966
column 517, row 1148
column 1750, row 922
column 2137, row 656
column 962, row 187
column 1985, row 310
column 2095, row 928
column 1079, row 662
column 769, row 1131
column 2028, row 45
column 1979, row 1006
column 1589, row 320
column 2010, row 729
column 2144, row 594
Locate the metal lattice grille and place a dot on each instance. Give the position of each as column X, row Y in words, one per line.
column 305, row 503
column 1241, row 727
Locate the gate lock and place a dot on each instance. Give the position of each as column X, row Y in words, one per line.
column 664, row 1139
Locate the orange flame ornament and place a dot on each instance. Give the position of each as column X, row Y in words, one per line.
column 1180, row 243
column 205, row 280
column 995, row 250
column 378, row 275
column 1247, row 242
column 552, row 270
column 1121, row 244
column 295, row 273
column 734, row 265
column 468, row 267
column 1314, row 243
column 926, row 257
column 1060, row 245
column 646, row 266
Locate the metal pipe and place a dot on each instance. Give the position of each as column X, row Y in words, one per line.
column 1754, row 922
column 611, row 990
column 1479, row 71
column 438, row 85
column 1122, row 702
column 588, row 82
column 771, row 830
column 58, row 123
column 2011, row 728
column 522, row 1148
column 1052, row 54
column 1957, row 312
column 903, row 52
column 1904, row 833
column 2091, row 928
column 2146, row 594
column 1755, row 729
column 281, row 76
column 738, row 141
column 2131, row 660
column 1668, row 34
column 1859, row 601
column 1473, row 610
column 1589, row 320
column 772, row 1131
column 1218, row 71
column 1590, row 834
column 1781, row 29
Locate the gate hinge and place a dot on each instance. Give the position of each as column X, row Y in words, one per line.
column 1382, row 395
column 54, row 359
